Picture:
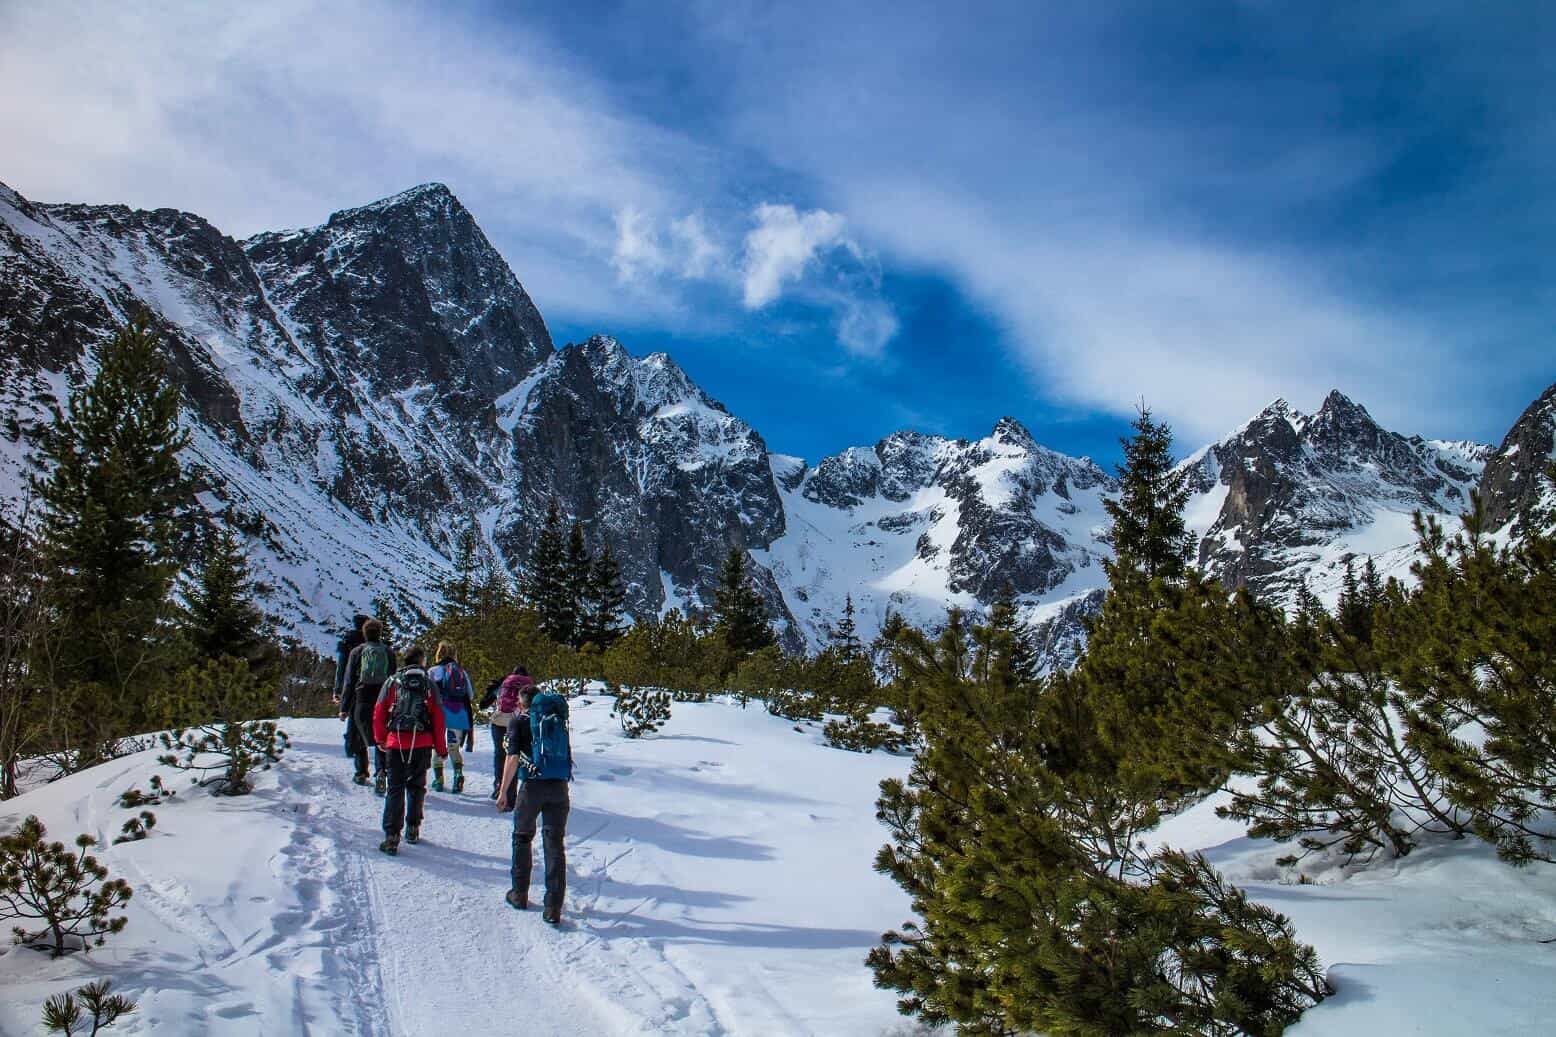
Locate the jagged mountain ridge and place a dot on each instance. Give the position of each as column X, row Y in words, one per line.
column 358, row 391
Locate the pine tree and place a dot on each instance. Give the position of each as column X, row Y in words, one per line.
column 112, row 500
column 1148, row 535
column 548, row 591
column 68, row 891
column 460, row 590
column 493, row 588
column 1021, row 927
column 220, row 615
column 845, row 637
column 740, row 613
column 605, row 600
column 1473, row 648
column 577, row 568
column 1019, row 652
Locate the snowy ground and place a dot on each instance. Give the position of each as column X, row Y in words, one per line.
column 720, row 882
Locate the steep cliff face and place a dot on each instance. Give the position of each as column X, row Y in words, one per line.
column 338, row 382
column 358, row 392
column 1517, row 478
column 649, row 462
column 1286, row 499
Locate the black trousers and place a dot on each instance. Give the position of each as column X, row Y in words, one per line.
column 362, row 720
column 499, row 758
column 547, row 800
column 407, row 788
column 499, row 753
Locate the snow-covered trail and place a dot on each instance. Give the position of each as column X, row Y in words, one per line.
column 719, row 883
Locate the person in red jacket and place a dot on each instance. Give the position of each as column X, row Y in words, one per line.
column 408, row 726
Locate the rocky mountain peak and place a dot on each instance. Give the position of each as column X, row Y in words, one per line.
column 406, row 292
column 1515, row 477
column 1010, row 432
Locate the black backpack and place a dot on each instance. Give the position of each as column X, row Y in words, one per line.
column 409, row 712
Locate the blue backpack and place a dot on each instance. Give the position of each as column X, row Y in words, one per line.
column 550, row 746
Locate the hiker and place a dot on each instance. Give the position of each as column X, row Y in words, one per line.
column 453, row 685
column 540, row 755
column 368, row 666
column 343, row 649
column 504, row 694
column 408, row 725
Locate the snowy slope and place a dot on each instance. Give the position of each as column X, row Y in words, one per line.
column 719, row 883
column 918, row 523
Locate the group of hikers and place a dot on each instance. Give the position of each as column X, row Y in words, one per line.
column 412, row 717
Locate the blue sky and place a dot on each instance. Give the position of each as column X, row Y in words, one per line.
column 843, row 219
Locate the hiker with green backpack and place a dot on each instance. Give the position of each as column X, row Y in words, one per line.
column 540, row 755
column 367, row 668
column 408, row 725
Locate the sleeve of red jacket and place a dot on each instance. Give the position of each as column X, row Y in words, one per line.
column 439, row 727
column 381, row 712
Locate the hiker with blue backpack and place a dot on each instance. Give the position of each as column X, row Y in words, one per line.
column 455, row 690
column 540, row 756
column 367, row 668
column 408, row 725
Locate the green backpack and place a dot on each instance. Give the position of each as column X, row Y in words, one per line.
column 373, row 668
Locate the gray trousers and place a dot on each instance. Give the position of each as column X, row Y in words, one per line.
column 546, row 800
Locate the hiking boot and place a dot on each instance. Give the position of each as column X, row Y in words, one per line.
column 516, row 900
column 359, row 779
column 391, row 845
column 552, row 916
column 413, row 834
column 381, row 784
column 437, row 782
column 459, row 781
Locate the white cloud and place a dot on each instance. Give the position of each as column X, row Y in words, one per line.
column 637, row 252
column 865, row 325
column 781, row 245
column 699, row 254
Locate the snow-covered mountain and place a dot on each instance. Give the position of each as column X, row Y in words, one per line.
column 1289, row 497
column 357, row 392
column 917, row 523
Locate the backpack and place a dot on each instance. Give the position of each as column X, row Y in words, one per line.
column 453, row 683
column 409, row 711
column 551, row 749
column 373, row 666
column 508, row 697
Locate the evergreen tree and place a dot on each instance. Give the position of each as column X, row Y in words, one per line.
column 1473, row 649
column 1148, row 536
column 112, row 499
column 577, row 568
column 221, row 618
column 739, row 611
column 493, row 588
column 845, row 636
column 1019, row 650
column 460, row 591
column 605, row 600
column 548, row 592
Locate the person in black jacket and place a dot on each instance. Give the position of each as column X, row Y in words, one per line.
column 539, row 799
column 367, row 668
column 343, row 649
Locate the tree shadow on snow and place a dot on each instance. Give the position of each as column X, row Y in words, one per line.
column 669, row 837
column 733, row 934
